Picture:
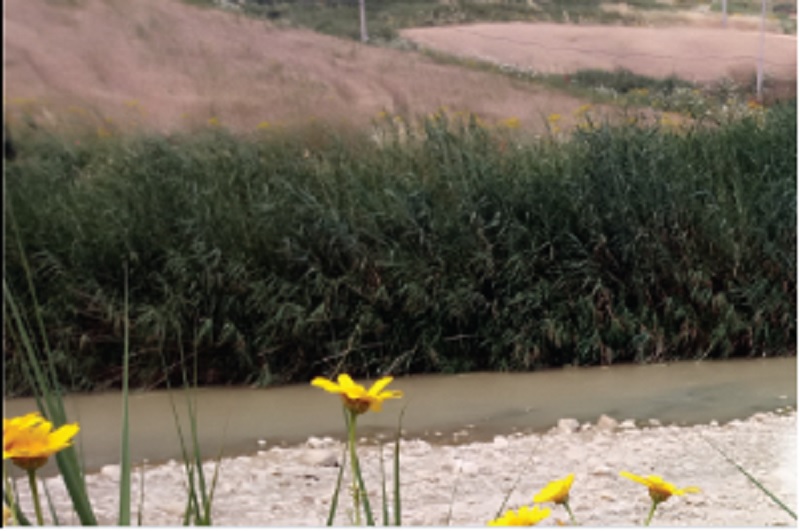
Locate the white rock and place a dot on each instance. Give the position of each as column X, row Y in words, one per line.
column 111, row 471
column 606, row 423
column 318, row 457
column 419, row 447
column 602, row 470
column 568, row 425
column 315, row 442
column 174, row 508
column 608, row 496
column 500, row 442
column 654, row 422
column 469, row 468
column 627, row 424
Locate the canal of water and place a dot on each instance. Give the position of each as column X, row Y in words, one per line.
column 440, row 408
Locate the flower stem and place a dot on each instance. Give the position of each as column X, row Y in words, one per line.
column 351, row 443
column 569, row 511
column 35, row 495
column 652, row 512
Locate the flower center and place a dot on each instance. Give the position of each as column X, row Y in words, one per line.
column 29, row 463
column 356, row 405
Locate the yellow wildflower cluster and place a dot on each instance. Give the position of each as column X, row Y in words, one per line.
column 511, row 123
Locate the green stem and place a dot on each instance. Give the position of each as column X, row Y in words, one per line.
column 652, row 512
column 569, row 511
column 10, row 495
column 352, row 417
column 35, row 495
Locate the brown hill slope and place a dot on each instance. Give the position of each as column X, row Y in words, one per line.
column 168, row 65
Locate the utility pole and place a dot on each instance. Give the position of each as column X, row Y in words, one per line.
column 362, row 13
column 724, row 13
column 760, row 70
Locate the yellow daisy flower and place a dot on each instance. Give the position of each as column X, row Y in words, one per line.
column 659, row 489
column 556, row 491
column 30, row 440
column 355, row 397
column 525, row 516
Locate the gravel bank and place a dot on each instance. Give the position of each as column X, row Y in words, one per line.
column 292, row 486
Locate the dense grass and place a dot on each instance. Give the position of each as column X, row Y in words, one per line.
column 455, row 248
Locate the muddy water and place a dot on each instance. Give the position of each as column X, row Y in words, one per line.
column 459, row 408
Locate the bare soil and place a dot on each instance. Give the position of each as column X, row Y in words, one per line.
column 696, row 53
column 167, row 65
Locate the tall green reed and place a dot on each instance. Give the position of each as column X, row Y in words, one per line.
column 444, row 246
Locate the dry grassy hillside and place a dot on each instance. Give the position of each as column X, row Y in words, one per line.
column 168, row 65
column 696, row 53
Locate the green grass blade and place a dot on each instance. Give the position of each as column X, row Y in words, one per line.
column 140, row 508
column 452, row 500
column 215, row 477
column 51, row 507
column 363, row 490
column 11, row 503
column 57, row 405
column 516, row 482
column 52, row 407
column 125, row 457
column 753, row 480
column 396, row 478
column 337, row 489
column 191, row 500
column 384, row 501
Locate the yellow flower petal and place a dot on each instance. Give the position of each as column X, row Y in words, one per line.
column 355, row 397
column 350, row 388
column 634, row 477
column 30, row 440
column 378, row 386
column 556, row 491
column 325, row 384
column 525, row 516
column 345, row 380
column 659, row 489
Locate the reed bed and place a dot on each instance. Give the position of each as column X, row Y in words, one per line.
column 441, row 245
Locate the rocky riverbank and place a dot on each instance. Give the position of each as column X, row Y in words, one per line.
column 464, row 485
